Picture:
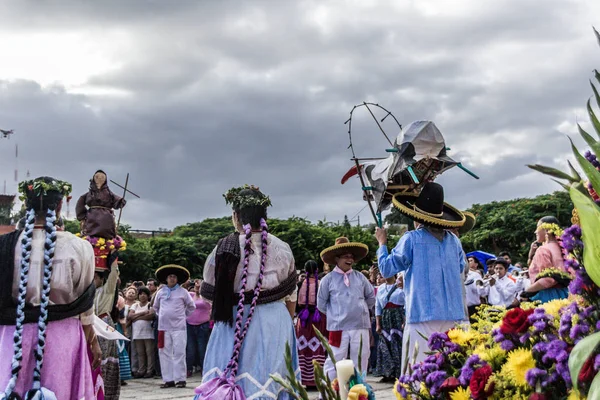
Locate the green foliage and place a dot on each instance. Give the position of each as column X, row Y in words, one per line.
column 510, row 225
column 189, row 245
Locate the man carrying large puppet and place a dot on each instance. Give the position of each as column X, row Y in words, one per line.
column 433, row 261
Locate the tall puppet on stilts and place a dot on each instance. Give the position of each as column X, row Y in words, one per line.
column 95, row 212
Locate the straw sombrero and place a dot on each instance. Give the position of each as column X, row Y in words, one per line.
column 470, row 221
column 428, row 207
column 343, row 246
column 182, row 273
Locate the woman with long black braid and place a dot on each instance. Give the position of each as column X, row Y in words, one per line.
column 256, row 271
column 310, row 348
column 53, row 272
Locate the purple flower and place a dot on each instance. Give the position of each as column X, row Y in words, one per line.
column 555, row 351
column 597, row 363
column 507, row 345
column 467, row 370
column 435, row 380
column 437, row 340
column 400, row 389
column 579, row 331
column 423, row 369
column 536, row 375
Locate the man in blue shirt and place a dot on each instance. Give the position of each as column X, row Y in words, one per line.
column 433, row 262
column 346, row 296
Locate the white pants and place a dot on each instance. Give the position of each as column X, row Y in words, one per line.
column 172, row 357
column 350, row 344
column 412, row 338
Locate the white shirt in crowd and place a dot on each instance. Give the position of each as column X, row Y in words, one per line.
column 503, row 292
column 474, row 291
column 141, row 329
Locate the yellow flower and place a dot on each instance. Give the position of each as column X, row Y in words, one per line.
column 461, row 337
column 396, row 393
column 423, row 390
column 461, row 394
column 101, row 241
column 102, row 248
column 357, row 391
column 574, row 395
column 78, row 234
column 553, row 307
column 112, row 247
column 493, row 355
column 518, row 363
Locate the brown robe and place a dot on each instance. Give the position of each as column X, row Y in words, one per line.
column 96, row 209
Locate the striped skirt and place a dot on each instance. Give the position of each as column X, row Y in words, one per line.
column 310, row 348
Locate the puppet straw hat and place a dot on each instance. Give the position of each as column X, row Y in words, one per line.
column 428, row 207
column 470, row 222
column 344, row 246
column 182, row 274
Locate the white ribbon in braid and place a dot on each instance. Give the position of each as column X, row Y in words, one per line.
column 37, row 392
column 18, row 336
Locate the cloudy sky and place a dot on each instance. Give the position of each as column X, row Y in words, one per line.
column 194, row 97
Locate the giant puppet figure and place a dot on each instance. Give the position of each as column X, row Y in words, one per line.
column 95, row 213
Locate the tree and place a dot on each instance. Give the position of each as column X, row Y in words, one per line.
column 510, row 225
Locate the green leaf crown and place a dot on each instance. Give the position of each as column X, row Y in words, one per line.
column 40, row 188
column 238, row 201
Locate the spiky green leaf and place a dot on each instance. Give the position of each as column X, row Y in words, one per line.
column 552, row 172
column 594, row 392
column 589, row 139
column 566, row 187
column 580, row 353
column 595, row 122
column 592, row 173
column 574, row 172
column 589, row 217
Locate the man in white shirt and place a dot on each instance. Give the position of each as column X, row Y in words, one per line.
column 503, row 288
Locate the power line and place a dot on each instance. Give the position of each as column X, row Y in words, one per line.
column 355, row 215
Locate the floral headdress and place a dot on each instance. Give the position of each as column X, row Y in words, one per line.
column 233, row 197
column 552, row 228
column 38, row 188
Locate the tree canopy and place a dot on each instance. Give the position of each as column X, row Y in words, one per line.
column 502, row 225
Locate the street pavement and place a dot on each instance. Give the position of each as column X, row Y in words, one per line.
column 150, row 389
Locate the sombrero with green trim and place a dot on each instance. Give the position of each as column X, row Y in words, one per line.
column 470, row 222
column 428, row 207
column 182, row 273
column 344, row 246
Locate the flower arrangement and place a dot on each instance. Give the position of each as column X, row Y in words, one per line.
column 106, row 245
column 535, row 351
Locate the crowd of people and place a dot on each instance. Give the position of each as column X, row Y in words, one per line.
column 233, row 325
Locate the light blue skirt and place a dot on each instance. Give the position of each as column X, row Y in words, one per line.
column 262, row 353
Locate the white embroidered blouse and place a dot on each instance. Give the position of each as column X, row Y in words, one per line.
column 72, row 272
column 279, row 265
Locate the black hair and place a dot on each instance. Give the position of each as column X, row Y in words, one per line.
column 490, row 261
column 145, row 290
column 311, row 266
column 251, row 214
column 549, row 219
column 504, row 253
column 153, row 281
column 479, row 264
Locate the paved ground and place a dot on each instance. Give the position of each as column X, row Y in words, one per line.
column 149, row 389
